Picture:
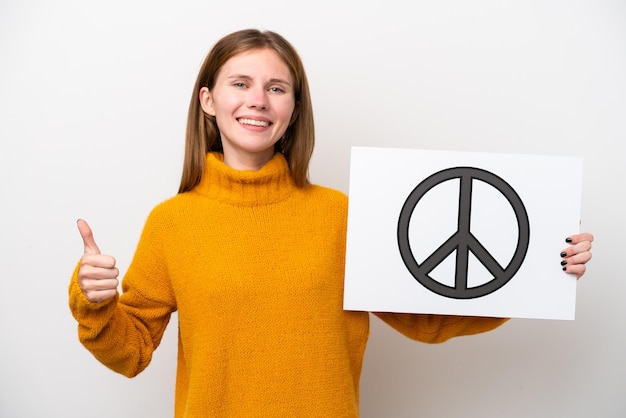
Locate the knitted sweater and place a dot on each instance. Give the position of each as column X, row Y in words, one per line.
column 254, row 266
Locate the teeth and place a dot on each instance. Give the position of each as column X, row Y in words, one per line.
column 254, row 122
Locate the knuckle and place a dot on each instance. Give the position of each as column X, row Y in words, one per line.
column 87, row 286
column 108, row 261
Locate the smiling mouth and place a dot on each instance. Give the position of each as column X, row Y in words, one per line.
column 261, row 123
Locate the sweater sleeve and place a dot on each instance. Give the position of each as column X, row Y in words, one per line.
column 430, row 328
column 123, row 332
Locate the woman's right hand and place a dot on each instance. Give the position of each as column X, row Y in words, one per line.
column 97, row 275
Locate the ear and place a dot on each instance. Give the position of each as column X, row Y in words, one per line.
column 206, row 101
column 295, row 113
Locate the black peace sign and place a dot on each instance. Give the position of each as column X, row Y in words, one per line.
column 463, row 241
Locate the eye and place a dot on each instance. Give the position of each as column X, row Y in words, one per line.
column 276, row 90
column 239, row 84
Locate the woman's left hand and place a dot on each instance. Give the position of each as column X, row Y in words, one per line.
column 575, row 257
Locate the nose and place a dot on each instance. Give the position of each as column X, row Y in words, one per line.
column 258, row 99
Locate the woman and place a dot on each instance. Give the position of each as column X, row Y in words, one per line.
column 251, row 255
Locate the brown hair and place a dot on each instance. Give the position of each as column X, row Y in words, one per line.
column 202, row 132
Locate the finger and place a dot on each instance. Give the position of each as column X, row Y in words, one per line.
column 98, row 260
column 582, row 246
column 96, row 296
column 581, row 258
column 98, row 285
column 89, row 243
column 90, row 272
column 576, row 238
column 577, row 269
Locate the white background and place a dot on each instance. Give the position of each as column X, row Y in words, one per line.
column 93, row 102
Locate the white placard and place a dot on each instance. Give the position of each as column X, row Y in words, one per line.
column 461, row 233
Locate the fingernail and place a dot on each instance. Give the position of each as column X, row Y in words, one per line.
column 564, row 262
column 563, row 254
column 568, row 240
column 564, row 268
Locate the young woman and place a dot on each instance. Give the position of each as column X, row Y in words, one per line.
column 251, row 255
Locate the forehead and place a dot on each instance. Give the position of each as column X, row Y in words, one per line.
column 257, row 63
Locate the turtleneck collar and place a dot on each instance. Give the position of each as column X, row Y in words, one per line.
column 271, row 184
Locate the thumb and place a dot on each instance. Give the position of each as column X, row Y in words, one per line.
column 87, row 235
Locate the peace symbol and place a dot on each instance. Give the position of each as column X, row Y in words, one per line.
column 463, row 241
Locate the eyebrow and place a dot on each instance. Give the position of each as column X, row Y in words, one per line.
column 247, row 77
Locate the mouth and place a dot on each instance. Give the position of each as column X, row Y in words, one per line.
column 254, row 122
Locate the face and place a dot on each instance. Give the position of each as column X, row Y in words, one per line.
column 253, row 103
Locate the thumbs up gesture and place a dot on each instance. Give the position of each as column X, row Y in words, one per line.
column 97, row 275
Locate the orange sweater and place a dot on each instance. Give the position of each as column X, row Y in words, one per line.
column 254, row 266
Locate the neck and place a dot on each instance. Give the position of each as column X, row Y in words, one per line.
column 252, row 161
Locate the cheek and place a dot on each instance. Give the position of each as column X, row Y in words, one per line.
column 223, row 110
column 225, row 103
column 287, row 112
